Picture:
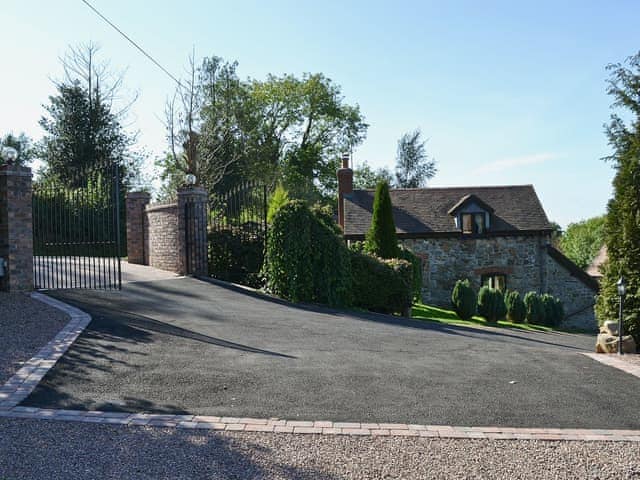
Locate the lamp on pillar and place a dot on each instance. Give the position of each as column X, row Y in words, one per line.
column 190, row 179
column 9, row 155
column 622, row 291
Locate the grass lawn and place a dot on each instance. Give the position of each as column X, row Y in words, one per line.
column 441, row 315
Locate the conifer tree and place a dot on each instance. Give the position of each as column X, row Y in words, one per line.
column 381, row 238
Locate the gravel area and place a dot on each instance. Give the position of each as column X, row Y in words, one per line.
column 26, row 325
column 40, row 449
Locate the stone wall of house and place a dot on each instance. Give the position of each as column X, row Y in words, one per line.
column 161, row 238
column 523, row 259
column 578, row 298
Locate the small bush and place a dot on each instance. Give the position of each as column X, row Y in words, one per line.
column 381, row 285
column 463, row 299
column 553, row 310
column 236, row 254
column 416, row 264
column 535, row 309
column 305, row 260
column 491, row 304
column 516, row 310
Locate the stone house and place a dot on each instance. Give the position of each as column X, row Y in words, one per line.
column 497, row 236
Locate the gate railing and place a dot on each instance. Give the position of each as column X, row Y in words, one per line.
column 237, row 233
column 77, row 234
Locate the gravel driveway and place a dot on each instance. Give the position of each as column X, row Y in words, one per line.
column 26, row 325
column 186, row 346
column 40, row 449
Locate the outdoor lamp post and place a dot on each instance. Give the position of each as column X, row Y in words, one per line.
column 190, row 178
column 622, row 290
column 9, row 155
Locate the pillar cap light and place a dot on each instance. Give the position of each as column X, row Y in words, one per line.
column 622, row 286
column 190, row 179
column 9, row 155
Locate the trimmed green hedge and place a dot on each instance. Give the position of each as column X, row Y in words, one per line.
column 516, row 310
column 491, row 304
column 381, row 285
column 535, row 309
column 305, row 260
column 416, row 264
column 464, row 300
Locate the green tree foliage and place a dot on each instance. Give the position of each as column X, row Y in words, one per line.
column 553, row 310
column 306, row 261
column 284, row 129
column 82, row 128
column 413, row 167
column 516, row 310
column 535, row 309
column 366, row 178
column 23, row 145
column 583, row 240
column 381, row 239
column 622, row 225
column 491, row 304
column 278, row 199
column 464, row 299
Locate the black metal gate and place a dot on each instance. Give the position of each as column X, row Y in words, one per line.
column 77, row 234
column 237, row 234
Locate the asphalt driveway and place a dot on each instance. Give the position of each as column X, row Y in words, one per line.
column 187, row 346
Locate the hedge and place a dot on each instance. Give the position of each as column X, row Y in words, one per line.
column 516, row 310
column 491, row 304
column 463, row 299
column 379, row 285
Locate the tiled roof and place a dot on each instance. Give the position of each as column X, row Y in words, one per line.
column 424, row 211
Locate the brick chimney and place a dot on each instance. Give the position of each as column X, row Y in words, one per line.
column 345, row 186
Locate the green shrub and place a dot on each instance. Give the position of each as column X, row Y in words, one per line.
column 279, row 198
column 381, row 239
column 463, row 299
column 516, row 310
column 236, row 254
column 305, row 260
column 491, row 304
column 416, row 264
column 381, row 285
column 553, row 310
column 535, row 309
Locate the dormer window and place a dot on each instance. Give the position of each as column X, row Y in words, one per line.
column 474, row 223
column 472, row 216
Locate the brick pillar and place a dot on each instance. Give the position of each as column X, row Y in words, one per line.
column 136, row 234
column 192, row 231
column 16, row 228
column 345, row 187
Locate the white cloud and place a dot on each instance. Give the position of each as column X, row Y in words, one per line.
column 507, row 163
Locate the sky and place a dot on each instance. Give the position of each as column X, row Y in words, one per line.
column 505, row 92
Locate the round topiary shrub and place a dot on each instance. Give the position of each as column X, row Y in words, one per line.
column 463, row 299
column 516, row 311
column 491, row 304
column 553, row 310
column 535, row 309
column 305, row 260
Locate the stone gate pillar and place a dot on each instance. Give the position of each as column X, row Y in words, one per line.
column 136, row 235
column 16, row 228
column 192, row 231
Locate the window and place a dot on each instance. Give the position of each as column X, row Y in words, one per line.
column 495, row 280
column 473, row 223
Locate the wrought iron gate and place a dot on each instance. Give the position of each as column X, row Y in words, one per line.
column 77, row 234
column 237, row 234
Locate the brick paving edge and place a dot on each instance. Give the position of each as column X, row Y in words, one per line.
column 18, row 387
column 613, row 360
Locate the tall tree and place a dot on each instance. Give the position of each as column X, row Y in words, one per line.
column 583, row 240
column 366, row 178
column 23, row 145
column 83, row 127
column 413, row 167
column 381, row 238
column 622, row 226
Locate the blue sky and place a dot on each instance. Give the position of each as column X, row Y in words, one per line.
column 506, row 92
